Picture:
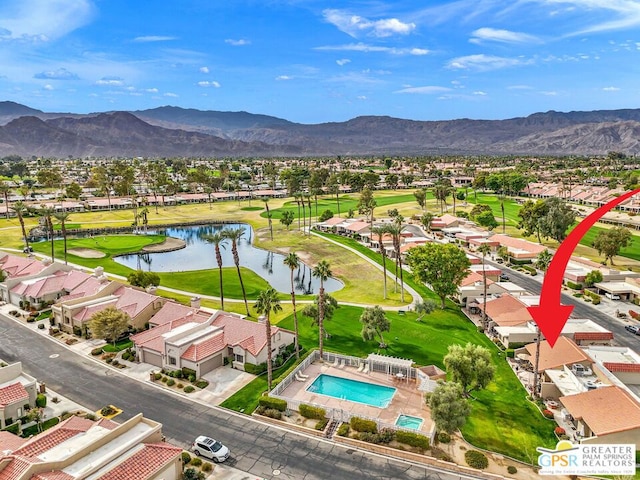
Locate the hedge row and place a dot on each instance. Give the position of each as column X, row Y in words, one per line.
column 593, row 296
column 275, row 403
column 309, row 411
column 574, row 286
column 363, row 425
column 412, row 439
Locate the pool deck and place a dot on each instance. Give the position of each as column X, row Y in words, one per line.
column 406, row 401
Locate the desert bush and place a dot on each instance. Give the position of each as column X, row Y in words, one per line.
column 188, row 389
column 362, row 425
column 343, row 430
column 476, row 459
column 512, row 470
column 412, row 439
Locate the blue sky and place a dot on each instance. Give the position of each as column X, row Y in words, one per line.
column 314, row 61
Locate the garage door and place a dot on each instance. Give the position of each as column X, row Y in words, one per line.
column 211, row 364
column 153, row 359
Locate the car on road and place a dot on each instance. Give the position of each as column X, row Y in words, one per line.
column 612, row 296
column 209, row 448
column 635, row 329
column 504, row 277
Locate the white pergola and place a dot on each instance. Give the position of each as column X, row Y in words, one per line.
column 400, row 364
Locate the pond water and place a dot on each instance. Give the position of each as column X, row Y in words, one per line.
column 200, row 254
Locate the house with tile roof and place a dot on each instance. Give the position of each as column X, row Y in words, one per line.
column 41, row 290
column 621, row 362
column 73, row 315
column 79, row 449
column 519, row 249
column 609, row 414
column 504, row 311
column 582, row 331
column 564, row 352
column 17, row 393
column 190, row 340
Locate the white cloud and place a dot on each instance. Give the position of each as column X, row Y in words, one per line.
column 426, row 90
column 284, row 77
column 204, row 69
column 505, row 36
column 480, row 92
column 237, row 43
column 60, row 74
column 207, row 84
column 169, row 94
column 154, row 38
column 519, row 87
column 361, row 97
column 363, row 47
column 43, row 20
column 482, row 62
column 48, row 87
column 549, row 93
column 627, row 13
column 151, row 90
column 354, row 25
column 111, row 81
column 343, row 61
column 611, row 89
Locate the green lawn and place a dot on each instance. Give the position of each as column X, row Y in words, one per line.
column 206, row 282
column 119, row 346
column 45, row 425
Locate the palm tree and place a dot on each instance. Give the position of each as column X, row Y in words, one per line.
column 5, row 189
column 234, row 235
column 484, row 249
column 293, row 262
column 266, row 303
column 46, row 213
column 217, row 239
column 20, row 209
column 266, row 206
column 380, row 231
column 395, row 230
column 144, row 214
column 323, row 272
column 62, row 217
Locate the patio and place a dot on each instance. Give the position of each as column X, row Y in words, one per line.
column 407, row 400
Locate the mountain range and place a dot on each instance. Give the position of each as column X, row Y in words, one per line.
column 173, row 131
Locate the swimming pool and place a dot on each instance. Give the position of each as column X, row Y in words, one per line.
column 352, row 390
column 407, row 421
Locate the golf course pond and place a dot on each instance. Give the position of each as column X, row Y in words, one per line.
column 199, row 254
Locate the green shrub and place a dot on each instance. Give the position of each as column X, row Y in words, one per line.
column 41, row 400
column 41, row 326
column 444, row 437
column 343, row 430
column 412, row 439
column 207, row 467
column 574, row 286
column 191, row 378
column 165, row 379
column 188, row 389
column 109, row 359
column 202, row 383
column 96, row 351
column 476, row 459
column 362, row 425
column 255, row 369
column 171, row 382
column 196, row 462
column 269, row 412
column 180, row 385
column 13, row 428
column 321, row 424
column 186, row 458
column 187, row 372
column 108, row 410
column 512, row 470
column 115, row 362
column 308, row 411
column 157, row 376
column 510, row 352
column 275, row 403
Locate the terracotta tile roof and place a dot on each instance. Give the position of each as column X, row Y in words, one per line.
column 357, row 226
column 152, row 338
column 133, row 301
column 11, row 442
column 251, row 336
column 41, row 287
column 13, row 393
column 144, row 463
column 18, row 467
column 90, row 286
column 605, row 410
column 506, row 311
column 15, row 266
column 564, row 352
column 84, row 315
column 592, row 336
column 474, row 277
column 54, row 436
column 201, row 350
column 622, row 367
column 333, row 221
column 172, row 311
column 507, row 241
column 57, row 475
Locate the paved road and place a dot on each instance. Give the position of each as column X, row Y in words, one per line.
column 256, row 448
column 582, row 309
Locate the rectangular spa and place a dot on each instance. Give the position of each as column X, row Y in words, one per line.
column 353, row 390
column 407, row 421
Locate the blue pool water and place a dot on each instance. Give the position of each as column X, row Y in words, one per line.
column 407, row 421
column 352, row 390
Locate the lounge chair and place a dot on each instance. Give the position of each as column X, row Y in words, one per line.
column 366, row 369
column 298, row 378
column 303, row 376
column 361, row 367
column 335, row 363
column 341, row 364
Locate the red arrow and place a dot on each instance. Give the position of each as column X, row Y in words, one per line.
column 550, row 315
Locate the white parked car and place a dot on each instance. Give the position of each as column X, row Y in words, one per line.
column 612, row 296
column 209, row 448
